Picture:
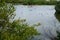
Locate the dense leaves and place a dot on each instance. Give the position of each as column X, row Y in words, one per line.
column 15, row 29
column 31, row 2
column 57, row 15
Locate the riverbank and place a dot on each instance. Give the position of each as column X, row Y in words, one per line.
column 31, row 2
column 34, row 3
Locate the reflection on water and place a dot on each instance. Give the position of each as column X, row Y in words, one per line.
column 43, row 14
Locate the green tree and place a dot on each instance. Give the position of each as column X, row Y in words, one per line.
column 15, row 30
column 57, row 15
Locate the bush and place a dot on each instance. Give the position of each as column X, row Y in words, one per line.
column 15, row 30
column 57, row 13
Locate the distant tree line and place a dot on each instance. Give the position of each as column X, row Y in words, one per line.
column 32, row 2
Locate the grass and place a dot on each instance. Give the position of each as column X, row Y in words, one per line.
column 32, row 2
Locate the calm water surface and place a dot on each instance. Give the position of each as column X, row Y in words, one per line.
column 39, row 13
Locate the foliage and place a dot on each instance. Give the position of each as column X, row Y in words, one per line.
column 57, row 13
column 32, row 2
column 58, row 36
column 15, row 30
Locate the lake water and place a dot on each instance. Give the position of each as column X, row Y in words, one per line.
column 39, row 13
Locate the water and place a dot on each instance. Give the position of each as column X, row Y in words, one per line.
column 39, row 13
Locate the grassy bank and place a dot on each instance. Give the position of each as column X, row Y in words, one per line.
column 31, row 2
